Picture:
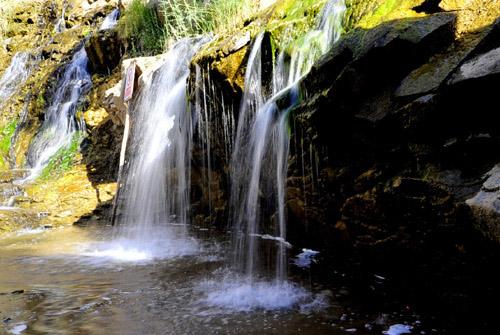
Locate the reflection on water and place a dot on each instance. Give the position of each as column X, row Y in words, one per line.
column 71, row 281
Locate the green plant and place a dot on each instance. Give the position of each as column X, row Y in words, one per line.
column 6, row 134
column 184, row 18
column 141, row 26
column 64, row 158
column 228, row 14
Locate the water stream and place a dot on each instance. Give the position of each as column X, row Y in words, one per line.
column 111, row 20
column 62, row 121
column 15, row 75
column 260, row 157
column 154, row 203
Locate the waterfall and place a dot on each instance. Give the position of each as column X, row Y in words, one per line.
column 62, row 122
column 154, row 203
column 60, row 25
column 260, row 156
column 15, row 75
column 111, row 20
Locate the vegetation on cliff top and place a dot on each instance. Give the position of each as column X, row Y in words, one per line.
column 150, row 28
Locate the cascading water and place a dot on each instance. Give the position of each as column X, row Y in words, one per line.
column 154, row 203
column 110, row 20
column 259, row 167
column 258, row 175
column 15, row 75
column 60, row 25
column 62, row 122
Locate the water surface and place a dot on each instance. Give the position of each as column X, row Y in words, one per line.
column 71, row 280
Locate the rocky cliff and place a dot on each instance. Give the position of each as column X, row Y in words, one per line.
column 393, row 165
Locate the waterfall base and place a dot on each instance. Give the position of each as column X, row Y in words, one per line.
column 233, row 294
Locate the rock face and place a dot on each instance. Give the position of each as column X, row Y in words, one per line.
column 394, row 134
column 388, row 157
column 370, row 86
column 482, row 66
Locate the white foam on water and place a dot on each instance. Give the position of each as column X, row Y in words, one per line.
column 318, row 303
column 30, row 231
column 18, row 329
column 125, row 250
column 398, row 329
column 120, row 253
column 233, row 295
column 305, row 258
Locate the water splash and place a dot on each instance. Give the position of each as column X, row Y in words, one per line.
column 305, row 258
column 61, row 121
column 398, row 329
column 260, row 157
column 156, row 190
column 123, row 250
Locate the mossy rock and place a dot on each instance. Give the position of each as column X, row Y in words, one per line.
column 370, row 13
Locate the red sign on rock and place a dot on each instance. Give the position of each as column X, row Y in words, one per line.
column 129, row 83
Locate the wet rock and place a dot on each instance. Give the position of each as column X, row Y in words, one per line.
column 428, row 34
column 105, row 50
column 485, row 205
column 365, row 87
column 362, row 207
column 113, row 102
column 224, row 60
column 431, row 75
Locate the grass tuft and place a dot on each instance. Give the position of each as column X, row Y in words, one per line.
column 141, row 26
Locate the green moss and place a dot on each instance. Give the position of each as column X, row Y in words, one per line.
column 370, row 13
column 64, row 158
column 6, row 134
column 381, row 12
column 292, row 19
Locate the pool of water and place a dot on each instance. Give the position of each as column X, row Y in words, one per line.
column 76, row 280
